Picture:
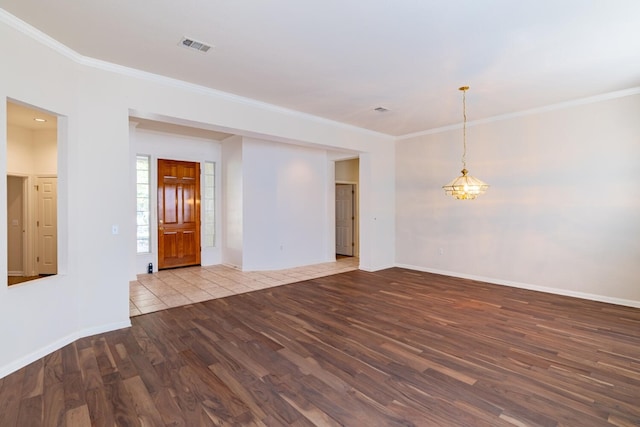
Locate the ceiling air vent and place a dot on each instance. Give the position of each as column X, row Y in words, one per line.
column 194, row 44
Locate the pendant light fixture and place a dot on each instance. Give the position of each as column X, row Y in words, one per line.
column 465, row 187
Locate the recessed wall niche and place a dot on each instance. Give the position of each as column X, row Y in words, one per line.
column 32, row 193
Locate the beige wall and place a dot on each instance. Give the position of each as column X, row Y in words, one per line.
column 19, row 150
column 45, row 152
column 348, row 171
column 563, row 210
column 31, row 152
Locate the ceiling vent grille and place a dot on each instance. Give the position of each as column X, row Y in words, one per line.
column 195, row 45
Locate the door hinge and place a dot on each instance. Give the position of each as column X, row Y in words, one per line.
column 37, row 187
column 37, row 259
column 37, row 223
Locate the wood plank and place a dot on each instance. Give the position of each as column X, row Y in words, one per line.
column 78, row 416
column 54, row 405
column 100, row 407
column 90, row 370
column 394, row 348
column 121, row 402
column 168, row 408
column 33, row 380
column 30, row 413
column 145, row 407
column 52, row 368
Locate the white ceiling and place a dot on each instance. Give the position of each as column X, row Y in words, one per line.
column 341, row 59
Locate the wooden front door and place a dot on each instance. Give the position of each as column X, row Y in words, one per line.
column 178, row 213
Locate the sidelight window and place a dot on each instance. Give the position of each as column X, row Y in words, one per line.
column 209, row 204
column 143, row 213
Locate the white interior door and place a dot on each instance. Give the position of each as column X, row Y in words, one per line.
column 345, row 219
column 47, row 225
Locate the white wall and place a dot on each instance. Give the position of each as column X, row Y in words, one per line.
column 232, row 205
column 160, row 145
column 562, row 213
column 275, row 204
column 377, row 213
column 93, row 100
column 42, row 315
column 284, row 210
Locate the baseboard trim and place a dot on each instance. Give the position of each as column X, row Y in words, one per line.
column 105, row 328
column 528, row 286
column 373, row 269
column 58, row 344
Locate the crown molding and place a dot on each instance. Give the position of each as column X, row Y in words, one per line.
column 538, row 110
column 37, row 35
column 50, row 42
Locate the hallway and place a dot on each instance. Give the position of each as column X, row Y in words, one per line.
column 182, row 286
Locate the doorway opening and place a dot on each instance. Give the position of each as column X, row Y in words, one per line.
column 345, row 219
column 346, row 207
column 32, row 199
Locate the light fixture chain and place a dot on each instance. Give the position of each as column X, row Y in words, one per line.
column 464, row 129
column 465, row 187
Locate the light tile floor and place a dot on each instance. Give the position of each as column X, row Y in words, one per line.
column 182, row 286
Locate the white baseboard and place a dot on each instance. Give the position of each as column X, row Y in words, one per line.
column 557, row 291
column 377, row 268
column 105, row 328
column 58, row 344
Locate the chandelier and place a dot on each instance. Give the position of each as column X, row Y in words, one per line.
column 465, row 187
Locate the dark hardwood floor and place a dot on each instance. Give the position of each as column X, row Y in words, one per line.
column 14, row 280
column 391, row 348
